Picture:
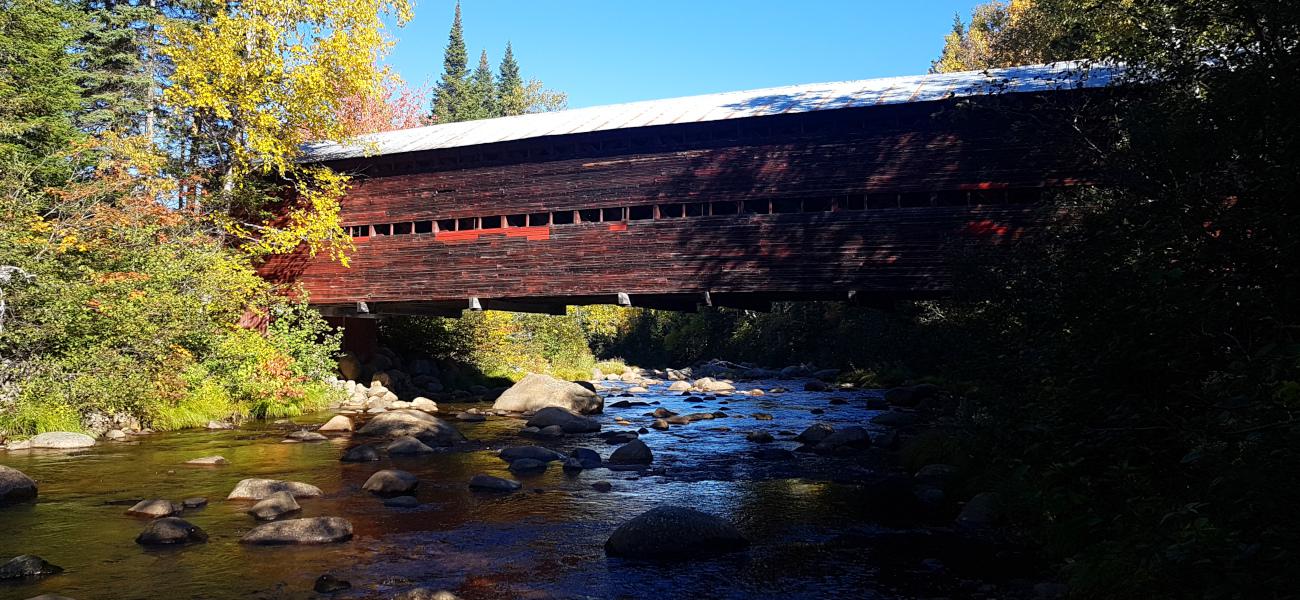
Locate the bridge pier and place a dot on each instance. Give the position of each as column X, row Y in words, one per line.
column 360, row 335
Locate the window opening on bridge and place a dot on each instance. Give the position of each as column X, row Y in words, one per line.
column 402, row 228
column 539, row 219
column 490, row 222
column 590, row 215
column 724, row 208
column 641, row 213
column 516, row 220
column 817, row 204
column 853, row 202
column 697, row 209
column 914, row 199
column 358, row 230
column 562, row 217
column 446, row 224
column 785, row 206
column 384, row 229
column 670, row 211
column 611, row 214
column 1024, row 195
column 986, row 197
column 756, row 207
column 424, row 226
column 951, row 198
column 466, row 223
column 875, row 201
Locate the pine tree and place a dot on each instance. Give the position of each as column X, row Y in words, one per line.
column 510, row 86
column 115, row 64
column 481, row 101
column 449, row 95
column 38, row 93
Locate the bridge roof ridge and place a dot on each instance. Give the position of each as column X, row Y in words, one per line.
column 800, row 98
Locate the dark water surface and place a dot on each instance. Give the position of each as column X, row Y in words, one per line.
column 543, row 542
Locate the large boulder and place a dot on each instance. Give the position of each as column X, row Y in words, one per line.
column 391, row 482
column 854, row 437
column 815, row 433
column 61, row 440
column 396, row 423
column 679, row 386
column 27, row 565
column 535, row 392
column 170, row 530
column 274, row 506
column 568, row 421
column 15, row 486
column 316, row 530
column 408, row 446
column 674, row 532
column 349, row 366
column 634, row 452
column 910, row 396
column 257, row 489
column 982, row 511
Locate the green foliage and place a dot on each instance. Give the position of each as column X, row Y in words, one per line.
column 510, row 86
column 449, row 96
column 38, row 93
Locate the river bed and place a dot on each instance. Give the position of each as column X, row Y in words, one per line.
column 818, row 530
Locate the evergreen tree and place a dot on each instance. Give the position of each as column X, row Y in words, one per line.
column 116, row 72
column 510, row 86
column 481, row 101
column 38, row 93
column 449, row 94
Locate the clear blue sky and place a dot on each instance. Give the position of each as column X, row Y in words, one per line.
column 603, row 52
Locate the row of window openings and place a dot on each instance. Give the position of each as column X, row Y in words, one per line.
column 702, row 209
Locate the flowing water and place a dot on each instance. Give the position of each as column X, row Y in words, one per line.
column 818, row 530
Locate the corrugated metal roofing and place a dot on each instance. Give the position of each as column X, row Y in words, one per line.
column 728, row 105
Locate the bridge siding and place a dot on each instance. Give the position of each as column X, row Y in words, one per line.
column 853, row 151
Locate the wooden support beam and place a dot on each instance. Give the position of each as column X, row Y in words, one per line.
column 524, row 307
column 675, row 302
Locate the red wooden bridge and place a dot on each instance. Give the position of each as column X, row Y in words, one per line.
column 851, row 191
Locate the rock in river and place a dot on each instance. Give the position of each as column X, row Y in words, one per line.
column 407, row 445
column 674, row 532
column 27, row 566
column 495, row 484
column 328, row 584
column 306, row 436
column 61, row 440
column 257, row 489
column 514, row 453
column 391, row 482
column 170, row 530
column 536, row 392
column 274, row 506
column 154, row 508
column 634, row 452
column 15, row 486
column 528, row 465
column 362, row 453
column 208, row 461
column 844, row 439
column 815, row 433
column 316, row 530
column 396, row 423
column 589, row 458
column 566, row 420
column 337, row 423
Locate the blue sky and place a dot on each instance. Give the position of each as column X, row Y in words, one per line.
column 603, row 52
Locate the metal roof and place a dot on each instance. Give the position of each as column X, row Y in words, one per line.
column 727, row 105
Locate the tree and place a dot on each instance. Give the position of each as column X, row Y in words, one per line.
column 480, row 102
column 449, row 95
column 38, row 93
column 510, row 87
column 115, row 62
column 398, row 106
column 538, row 99
column 1000, row 34
column 254, row 82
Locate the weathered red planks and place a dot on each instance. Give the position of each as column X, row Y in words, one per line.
column 819, row 155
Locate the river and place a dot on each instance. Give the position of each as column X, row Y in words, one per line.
column 819, row 528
